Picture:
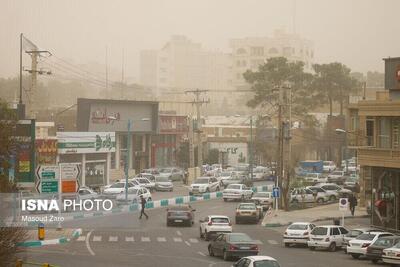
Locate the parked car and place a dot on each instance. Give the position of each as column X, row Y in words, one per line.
column 392, row 255
column 162, row 183
column 337, row 177
column 374, row 251
column 261, row 173
column 357, row 247
column 153, row 171
column 213, row 225
column 329, row 166
column 235, row 178
column 204, row 185
column 315, row 178
column 230, row 245
column 134, row 194
column 329, row 237
column 149, row 176
column 182, row 214
column 86, row 193
column 305, row 195
column 334, row 190
column 112, row 190
column 297, row 233
column 144, row 182
column 257, row 261
column 247, row 212
column 321, row 192
column 263, row 199
column 237, row 191
column 353, row 233
column 223, row 175
column 173, row 174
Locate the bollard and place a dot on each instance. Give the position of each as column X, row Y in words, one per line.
column 19, row 263
column 41, row 232
column 46, row 265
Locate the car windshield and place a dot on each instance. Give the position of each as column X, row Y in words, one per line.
column 320, row 231
column 220, row 220
column 132, row 191
column 239, row 238
column 261, row 194
column 397, row 245
column 266, row 263
column 165, row 170
column 384, row 242
column 201, row 181
column 246, row 206
column 366, row 236
column 119, row 185
column 162, row 179
column 233, row 186
column 337, row 173
column 143, row 181
column 298, row 227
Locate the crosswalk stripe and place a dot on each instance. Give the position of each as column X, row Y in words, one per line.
column 161, row 239
column 145, row 239
column 273, row 242
column 96, row 238
column 178, row 233
column 113, row 239
column 129, row 239
column 177, row 239
column 187, row 243
column 193, row 240
column 81, row 238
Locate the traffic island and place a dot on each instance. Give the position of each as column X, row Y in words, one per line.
column 52, row 237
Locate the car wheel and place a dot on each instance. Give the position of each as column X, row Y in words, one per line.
column 210, row 251
column 332, row 247
column 311, row 248
column 168, row 223
column 225, row 199
column 374, row 261
column 226, row 256
column 287, row 244
column 206, row 236
column 237, row 221
column 332, row 198
column 149, row 199
column 201, row 234
column 355, row 256
column 217, row 189
column 207, row 190
column 320, row 200
column 242, row 197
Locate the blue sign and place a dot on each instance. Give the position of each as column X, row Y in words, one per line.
column 276, row 192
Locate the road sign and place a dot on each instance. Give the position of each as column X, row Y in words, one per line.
column 47, row 172
column 70, row 171
column 343, row 204
column 69, row 186
column 276, row 192
column 49, row 186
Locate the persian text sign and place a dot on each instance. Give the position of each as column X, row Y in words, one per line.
column 85, row 142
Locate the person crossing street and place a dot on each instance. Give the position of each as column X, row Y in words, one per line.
column 143, row 202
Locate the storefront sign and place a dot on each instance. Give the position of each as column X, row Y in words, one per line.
column 25, row 153
column 69, row 186
column 173, row 124
column 46, row 151
column 85, row 142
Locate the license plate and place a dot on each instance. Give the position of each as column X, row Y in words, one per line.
column 178, row 220
column 244, row 247
column 391, row 254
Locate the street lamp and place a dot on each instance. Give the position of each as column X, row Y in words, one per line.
column 128, row 144
column 342, row 131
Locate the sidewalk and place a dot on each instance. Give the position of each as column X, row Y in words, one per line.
column 319, row 213
column 52, row 237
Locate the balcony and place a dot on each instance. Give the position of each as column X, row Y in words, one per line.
column 378, row 157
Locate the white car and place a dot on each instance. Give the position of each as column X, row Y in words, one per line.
column 305, row 195
column 134, row 194
column 116, row 188
column 144, row 182
column 255, row 261
column 297, row 233
column 336, row 177
column 392, row 255
column 163, row 184
column 334, row 190
column 329, row 166
column 358, row 246
column 87, row 193
column 213, row 225
column 224, row 175
column 204, row 185
column 237, row 191
column 264, row 199
column 321, row 192
column 315, row 178
column 327, row 236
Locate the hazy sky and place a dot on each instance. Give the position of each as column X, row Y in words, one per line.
column 358, row 33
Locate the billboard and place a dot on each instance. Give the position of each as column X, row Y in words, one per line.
column 85, row 142
column 236, row 152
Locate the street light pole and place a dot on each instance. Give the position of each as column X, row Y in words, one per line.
column 251, row 147
column 128, row 144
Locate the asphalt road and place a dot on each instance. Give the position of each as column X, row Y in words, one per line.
column 124, row 240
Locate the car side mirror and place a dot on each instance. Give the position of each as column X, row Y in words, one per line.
column 193, row 209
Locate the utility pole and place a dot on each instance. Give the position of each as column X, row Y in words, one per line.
column 251, row 148
column 107, row 96
column 122, row 78
column 21, row 107
column 191, row 150
column 279, row 163
column 198, row 102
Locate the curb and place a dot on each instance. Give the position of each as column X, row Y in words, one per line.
column 38, row 243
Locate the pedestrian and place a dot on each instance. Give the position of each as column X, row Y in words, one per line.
column 353, row 203
column 143, row 202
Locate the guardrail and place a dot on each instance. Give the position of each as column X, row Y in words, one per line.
column 21, row 263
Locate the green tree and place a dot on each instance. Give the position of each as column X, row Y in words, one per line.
column 333, row 83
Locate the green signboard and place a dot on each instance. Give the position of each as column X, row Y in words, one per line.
column 49, row 186
column 49, row 175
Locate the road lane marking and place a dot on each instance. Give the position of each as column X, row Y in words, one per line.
column 202, row 254
column 161, row 239
column 145, row 239
column 178, row 233
column 81, row 238
column 273, row 242
column 177, row 239
column 113, row 239
column 88, row 245
column 129, row 239
column 96, row 238
column 193, row 240
column 187, row 243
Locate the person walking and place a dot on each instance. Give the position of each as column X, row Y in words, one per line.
column 353, row 203
column 143, row 202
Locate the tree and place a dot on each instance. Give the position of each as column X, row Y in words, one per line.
column 375, row 79
column 275, row 73
column 9, row 236
column 333, row 82
column 182, row 155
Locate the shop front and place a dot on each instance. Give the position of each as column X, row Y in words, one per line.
column 385, row 200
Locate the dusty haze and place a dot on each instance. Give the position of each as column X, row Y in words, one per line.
column 358, row 33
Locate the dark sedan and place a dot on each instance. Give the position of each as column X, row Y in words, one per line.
column 183, row 214
column 374, row 251
column 230, row 245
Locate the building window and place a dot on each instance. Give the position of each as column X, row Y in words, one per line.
column 241, row 51
column 273, row 50
column 370, row 125
column 384, row 129
column 396, row 133
column 257, row 51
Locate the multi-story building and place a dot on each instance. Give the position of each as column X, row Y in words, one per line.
column 374, row 132
column 250, row 52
